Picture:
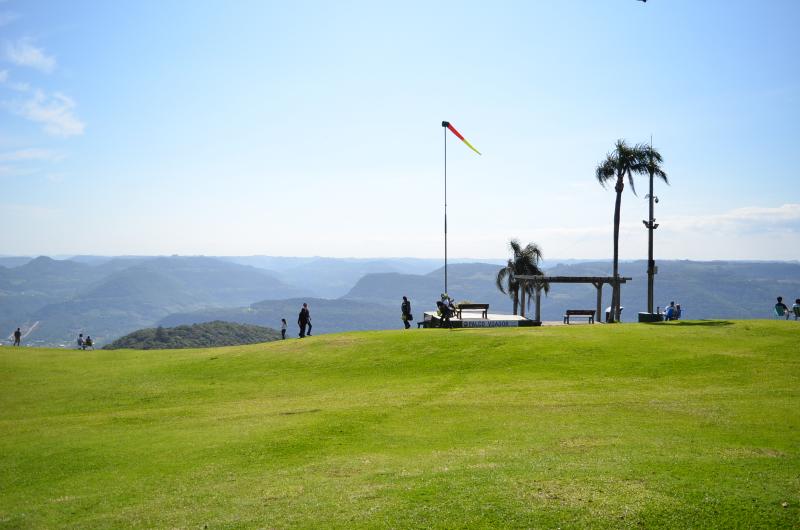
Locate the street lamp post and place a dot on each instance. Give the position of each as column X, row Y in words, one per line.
column 651, row 263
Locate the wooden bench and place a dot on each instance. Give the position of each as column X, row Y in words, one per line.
column 581, row 313
column 483, row 308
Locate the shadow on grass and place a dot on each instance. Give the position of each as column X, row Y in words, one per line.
column 708, row 323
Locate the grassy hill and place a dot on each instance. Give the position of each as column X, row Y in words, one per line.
column 690, row 424
column 208, row 334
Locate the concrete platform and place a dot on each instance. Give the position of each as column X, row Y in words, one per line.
column 476, row 320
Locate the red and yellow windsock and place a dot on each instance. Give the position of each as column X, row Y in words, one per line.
column 458, row 134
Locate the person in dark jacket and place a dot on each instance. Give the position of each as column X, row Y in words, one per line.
column 17, row 337
column 308, row 321
column 405, row 309
column 302, row 320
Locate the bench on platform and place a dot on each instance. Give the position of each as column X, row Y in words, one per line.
column 483, row 308
column 580, row 313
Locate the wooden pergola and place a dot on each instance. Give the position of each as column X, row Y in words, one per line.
column 597, row 281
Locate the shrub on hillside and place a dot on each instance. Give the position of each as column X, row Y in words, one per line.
column 204, row 335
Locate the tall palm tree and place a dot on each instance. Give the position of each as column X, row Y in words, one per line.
column 652, row 162
column 623, row 161
column 523, row 261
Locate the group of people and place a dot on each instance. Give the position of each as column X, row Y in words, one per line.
column 303, row 321
column 445, row 307
column 781, row 309
column 673, row 311
column 84, row 343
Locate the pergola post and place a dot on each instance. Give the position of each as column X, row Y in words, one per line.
column 599, row 287
column 538, row 304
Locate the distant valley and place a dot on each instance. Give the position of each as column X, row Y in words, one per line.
column 54, row 300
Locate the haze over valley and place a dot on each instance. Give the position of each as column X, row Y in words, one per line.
column 106, row 297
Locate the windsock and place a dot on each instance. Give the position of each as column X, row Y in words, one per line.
column 458, row 134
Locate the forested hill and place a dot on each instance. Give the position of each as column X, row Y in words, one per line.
column 204, row 335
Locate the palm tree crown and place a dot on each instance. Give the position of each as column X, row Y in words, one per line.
column 623, row 161
column 652, row 160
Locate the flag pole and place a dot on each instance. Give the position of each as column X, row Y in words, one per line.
column 444, row 130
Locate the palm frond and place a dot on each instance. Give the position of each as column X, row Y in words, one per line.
column 606, row 171
column 652, row 161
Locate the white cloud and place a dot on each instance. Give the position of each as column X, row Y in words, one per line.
column 32, row 153
column 743, row 219
column 55, row 112
column 24, row 53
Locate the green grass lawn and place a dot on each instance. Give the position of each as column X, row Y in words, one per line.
column 690, row 424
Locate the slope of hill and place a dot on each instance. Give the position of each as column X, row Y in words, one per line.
column 334, row 277
column 122, row 295
column 36, row 283
column 206, row 335
column 678, row 425
column 466, row 281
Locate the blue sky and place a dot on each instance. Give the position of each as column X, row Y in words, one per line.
column 313, row 128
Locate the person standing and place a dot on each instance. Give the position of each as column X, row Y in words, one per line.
column 80, row 341
column 302, row 320
column 781, row 309
column 308, row 317
column 283, row 328
column 405, row 309
column 17, row 337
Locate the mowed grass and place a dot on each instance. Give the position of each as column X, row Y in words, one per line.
column 683, row 425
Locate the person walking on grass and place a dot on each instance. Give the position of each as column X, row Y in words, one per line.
column 796, row 309
column 17, row 337
column 80, row 341
column 308, row 315
column 283, row 328
column 302, row 320
column 405, row 309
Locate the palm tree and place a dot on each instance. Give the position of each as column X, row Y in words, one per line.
column 523, row 261
column 511, row 287
column 652, row 161
column 623, row 161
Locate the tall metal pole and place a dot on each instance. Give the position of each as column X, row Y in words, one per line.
column 651, row 263
column 444, row 129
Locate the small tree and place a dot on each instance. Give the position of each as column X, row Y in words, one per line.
column 523, row 261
